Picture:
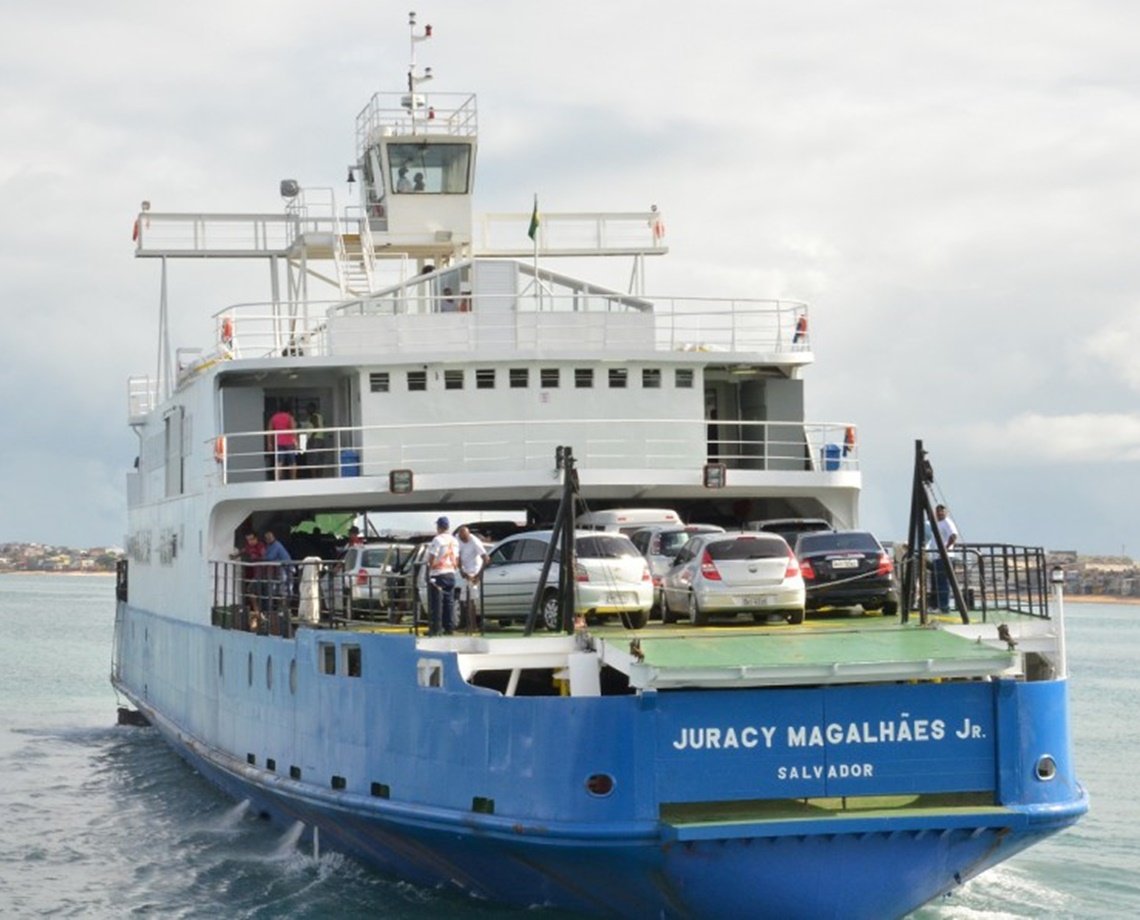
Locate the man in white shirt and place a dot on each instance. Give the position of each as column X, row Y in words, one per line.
column 949, row 533
column 473, row 557
column 442, row 561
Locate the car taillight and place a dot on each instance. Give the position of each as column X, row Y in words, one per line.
column 362, row 577
column 708, row 567
column 885, row 565
column 657, row 581
column 580, row 574
column 806, row 570
column 793, row 568
column 646, row 576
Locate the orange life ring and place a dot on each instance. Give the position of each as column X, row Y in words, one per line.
column 220, row 448
column 227, row 330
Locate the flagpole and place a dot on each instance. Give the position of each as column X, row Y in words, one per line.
column 533, row 233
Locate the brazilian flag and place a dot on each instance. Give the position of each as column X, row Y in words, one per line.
column 535, row 219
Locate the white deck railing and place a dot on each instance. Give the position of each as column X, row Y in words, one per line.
column 503, row 446
column 674, row 324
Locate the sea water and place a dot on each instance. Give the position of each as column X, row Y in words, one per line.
column 98, row 820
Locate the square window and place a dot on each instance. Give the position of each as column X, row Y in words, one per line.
column 327, row 656
column 378, row 382
column 485, row 378
column 417, row 380
column 619, row 377
column 684, row 379
column 520, row 377
column 453, row 380
column 651, row 378
column 549, row 378
column 352, row 660
column 583, row 377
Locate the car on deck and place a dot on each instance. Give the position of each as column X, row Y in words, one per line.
column 366, row 572
column 727, row 574
column 659, row 544
column 847, row 568
column 611, row 578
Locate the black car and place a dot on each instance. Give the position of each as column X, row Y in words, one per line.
column 846, row 568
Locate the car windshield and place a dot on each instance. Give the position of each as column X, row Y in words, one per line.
column 604, row 546
column 373, row 558
column 747, row 548
column 828, row 542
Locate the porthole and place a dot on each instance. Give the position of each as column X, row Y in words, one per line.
column 600, row 784
column 1046, row 768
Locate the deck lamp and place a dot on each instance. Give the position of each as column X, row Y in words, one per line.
column 715, row 475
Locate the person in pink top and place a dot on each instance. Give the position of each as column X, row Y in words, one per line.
column 283, row 443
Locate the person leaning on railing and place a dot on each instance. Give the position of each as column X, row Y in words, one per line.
column 251, row 552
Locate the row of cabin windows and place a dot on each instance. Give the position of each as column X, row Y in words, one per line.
column 549, row 378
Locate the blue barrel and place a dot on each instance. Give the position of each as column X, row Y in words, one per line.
column 831, row 457
column 350, row 463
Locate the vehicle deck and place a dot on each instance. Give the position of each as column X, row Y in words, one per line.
column 829, row 651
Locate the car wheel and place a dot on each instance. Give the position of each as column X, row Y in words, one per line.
column 891, row 608
column 697, row 616
column 667, row 615
column 636, row 619
column 796, row 617
column 551, row 612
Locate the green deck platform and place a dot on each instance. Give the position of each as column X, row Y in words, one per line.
column 826, row 656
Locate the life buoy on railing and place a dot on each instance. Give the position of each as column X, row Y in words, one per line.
column 220, row 449
column 227, row 330
column 801, row 329
column 849, row 440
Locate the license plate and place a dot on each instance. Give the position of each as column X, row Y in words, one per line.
column 845, row 563
column 756, row 600
column 616, row 597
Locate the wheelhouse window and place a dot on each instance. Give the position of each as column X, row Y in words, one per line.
column 417, row 380
column 651, row 378
column 485, row 378
column 583, row 377
column 618, row 378
column 430, row 168
column 453, row 380
column 378, row 382
column 520, row 377
column 549, row 378
column 684, row 379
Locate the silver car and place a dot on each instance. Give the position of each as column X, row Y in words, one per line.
column 728, row 574
column 611, row 578
column 659, row 544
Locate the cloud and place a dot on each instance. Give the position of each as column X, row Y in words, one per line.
column 1117, row 345
column 1032, row 439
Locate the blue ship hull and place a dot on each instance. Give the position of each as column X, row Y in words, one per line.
column 458, row 786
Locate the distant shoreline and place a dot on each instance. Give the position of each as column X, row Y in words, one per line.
column 1100, row 599
column 68, row 574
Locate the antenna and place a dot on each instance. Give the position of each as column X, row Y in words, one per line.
column 413, row 101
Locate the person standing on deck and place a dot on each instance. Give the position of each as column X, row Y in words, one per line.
column 442, row 561
column 283, row 443
column 473, row 556
column 278, row 573
column 251, row 553
column 949, row 533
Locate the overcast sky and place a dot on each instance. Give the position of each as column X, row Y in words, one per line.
column 953, row 187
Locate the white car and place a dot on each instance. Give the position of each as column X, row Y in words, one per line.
column 732, row 573
column 611, row 578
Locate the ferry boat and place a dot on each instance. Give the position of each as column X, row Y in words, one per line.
column 854, row 767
